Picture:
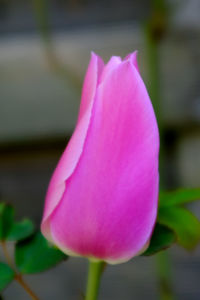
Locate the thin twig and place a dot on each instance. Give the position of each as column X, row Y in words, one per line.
column 20, row 280
column 64, row 71
column 18, row 277
column 6, row 254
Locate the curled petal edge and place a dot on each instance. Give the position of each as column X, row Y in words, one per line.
column 72, row 153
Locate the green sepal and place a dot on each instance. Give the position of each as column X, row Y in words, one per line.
column 162, row 238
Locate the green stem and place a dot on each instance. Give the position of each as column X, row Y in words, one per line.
column 41, row 11
column 42, row 17
column 153, row 70
column 154, row 32
column 94, row 276
column 164, row 271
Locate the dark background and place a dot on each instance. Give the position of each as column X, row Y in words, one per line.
column 44, row 51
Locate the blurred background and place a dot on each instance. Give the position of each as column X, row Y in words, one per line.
column 44, row 52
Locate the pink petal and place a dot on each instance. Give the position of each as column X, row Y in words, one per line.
column 109, row 205
column 109, row 67
column 72, row 153
column 133, row 58
column 92, row 77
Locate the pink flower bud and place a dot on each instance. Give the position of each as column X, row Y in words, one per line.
column 102, row 199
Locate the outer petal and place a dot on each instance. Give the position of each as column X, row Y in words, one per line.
column 109, row 206
column 72, row 153
column 110, row 66
column 92, row 78
column 133, row 58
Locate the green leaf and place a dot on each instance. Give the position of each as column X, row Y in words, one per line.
column 162, row 238
column 6, row 219
column 183, row 223
column 21, row 230
column 6, row 275
column 36, row 254
column 10, row 230
column 178, row 197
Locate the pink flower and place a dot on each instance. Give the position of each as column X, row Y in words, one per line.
column 102, row 199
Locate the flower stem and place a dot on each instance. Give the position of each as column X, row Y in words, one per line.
column 94, row 275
